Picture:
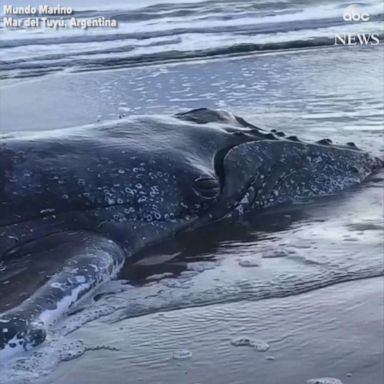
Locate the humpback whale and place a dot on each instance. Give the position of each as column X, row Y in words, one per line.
column 95, row 195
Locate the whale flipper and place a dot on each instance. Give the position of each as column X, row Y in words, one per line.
column 91, row 260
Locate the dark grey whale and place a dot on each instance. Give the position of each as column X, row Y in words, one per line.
column 96, row 195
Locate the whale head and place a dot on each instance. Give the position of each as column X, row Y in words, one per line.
column 256, row 169
column 266, row 172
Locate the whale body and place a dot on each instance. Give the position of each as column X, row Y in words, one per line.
column 96, row 195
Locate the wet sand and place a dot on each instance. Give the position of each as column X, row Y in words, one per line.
column 334, row 332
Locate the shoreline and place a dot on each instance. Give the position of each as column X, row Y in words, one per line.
column 331, row 332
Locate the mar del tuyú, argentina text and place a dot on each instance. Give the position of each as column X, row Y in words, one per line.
column 54, row 23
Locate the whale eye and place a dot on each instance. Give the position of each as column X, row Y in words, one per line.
column 206, row 187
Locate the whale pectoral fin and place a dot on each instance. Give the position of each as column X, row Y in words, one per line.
column 91, row 260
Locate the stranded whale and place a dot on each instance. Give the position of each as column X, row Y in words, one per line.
column 96, row 195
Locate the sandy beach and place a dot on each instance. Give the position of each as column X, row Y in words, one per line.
column 336, row 332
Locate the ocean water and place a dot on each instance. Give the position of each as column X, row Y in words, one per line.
column 275, row 64
column 160, row 32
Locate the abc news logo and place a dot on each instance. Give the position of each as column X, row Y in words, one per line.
column 355, row 14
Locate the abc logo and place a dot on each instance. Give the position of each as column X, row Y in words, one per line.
column 353, row 13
